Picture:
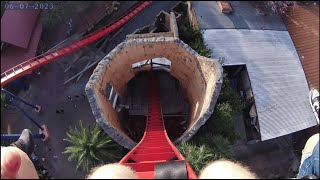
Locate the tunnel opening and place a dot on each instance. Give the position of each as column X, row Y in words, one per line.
column 173, row 99
column 198, row 80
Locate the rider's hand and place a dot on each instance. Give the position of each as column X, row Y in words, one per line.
column 10, row 163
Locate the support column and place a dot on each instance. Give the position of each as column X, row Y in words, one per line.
column 37, row 108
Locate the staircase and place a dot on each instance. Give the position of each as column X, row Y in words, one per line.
column 155, row 145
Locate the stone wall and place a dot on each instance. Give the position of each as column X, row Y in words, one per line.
column 200, row 77
column 192, row 16
column 150, row 35
column 170, row 22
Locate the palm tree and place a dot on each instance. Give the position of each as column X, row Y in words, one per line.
column 90, row 147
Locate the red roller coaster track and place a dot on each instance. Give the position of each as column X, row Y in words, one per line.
column 155, row 145
column 36, row 62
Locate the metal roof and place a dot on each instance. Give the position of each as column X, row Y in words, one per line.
column 277, row 78
column 12, row 55
column 303, row 25
column 17, row 26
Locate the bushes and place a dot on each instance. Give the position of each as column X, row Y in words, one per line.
column 202, row 150
column 213, row 140
column 227, row 107
column 197, row 155
column 193, row 38
column 218, row 133
column 90, row 147
column 216, row 136
column 220, row 146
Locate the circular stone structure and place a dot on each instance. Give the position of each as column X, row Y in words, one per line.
column 200, row 77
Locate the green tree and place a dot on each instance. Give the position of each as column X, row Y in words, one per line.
column 221, row 122
column 90, row 147
column 193, row 38
column 213, row 140
column 219, row 146
column 199, row 152
column 197, row 156
column 216, row 136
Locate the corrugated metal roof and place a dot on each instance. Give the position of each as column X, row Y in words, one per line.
column 12, row 55
column 278, row 81
column 17, row 26
column 303, row 25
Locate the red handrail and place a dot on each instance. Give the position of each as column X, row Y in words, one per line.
column 45, row 58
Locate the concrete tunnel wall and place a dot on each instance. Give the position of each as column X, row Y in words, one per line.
column 201, row 78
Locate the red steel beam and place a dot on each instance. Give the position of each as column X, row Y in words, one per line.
column 38, row 61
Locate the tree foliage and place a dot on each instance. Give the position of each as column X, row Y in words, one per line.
column 213, row 140
column 221, row 122
column 193, row 38
column 197, row 155
column 209, row 147
column 90, row 147
column 278, row 7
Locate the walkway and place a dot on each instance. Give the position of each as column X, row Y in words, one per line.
column 244, row 16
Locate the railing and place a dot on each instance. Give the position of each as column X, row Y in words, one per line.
column 31, row 64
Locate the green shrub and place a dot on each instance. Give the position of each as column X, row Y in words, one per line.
column 227, row 95
column 90, row 146
column 221, row 122
column 213, row 140
column 207, row 148
column 197, row 156
column 219, row 146
column 217, row 135
column 193, row 38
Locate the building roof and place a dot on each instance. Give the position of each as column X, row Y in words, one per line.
column 17, row 26
column 12, row 55
column 277, row 78
column 303, row 25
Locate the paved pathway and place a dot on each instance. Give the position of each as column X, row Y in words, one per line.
column 244, row 16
